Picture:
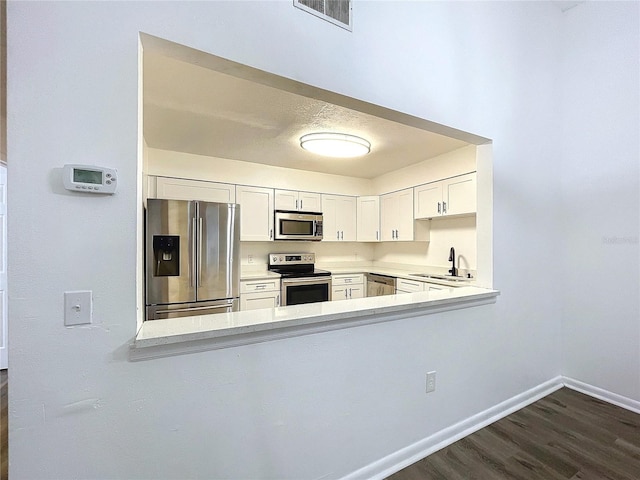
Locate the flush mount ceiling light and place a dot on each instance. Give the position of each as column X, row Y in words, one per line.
column 338, row 145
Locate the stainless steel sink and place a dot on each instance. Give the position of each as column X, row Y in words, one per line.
column 440, row 277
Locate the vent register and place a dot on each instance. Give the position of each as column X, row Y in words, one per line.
column 337, row 12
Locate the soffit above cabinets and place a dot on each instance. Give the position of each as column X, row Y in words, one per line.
column 201, row 104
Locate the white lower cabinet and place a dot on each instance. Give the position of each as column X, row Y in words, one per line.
column 347, row 287
column 255, row 294
column 409, row 286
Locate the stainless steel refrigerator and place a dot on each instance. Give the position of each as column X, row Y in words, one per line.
column 192, row 258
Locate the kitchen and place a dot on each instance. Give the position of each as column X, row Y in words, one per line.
column 347, row 194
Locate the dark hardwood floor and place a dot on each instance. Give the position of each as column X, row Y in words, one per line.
column 566, row 435
column 4, row 429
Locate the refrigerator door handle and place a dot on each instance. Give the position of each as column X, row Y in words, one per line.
column 192, row 273
column 200, row 252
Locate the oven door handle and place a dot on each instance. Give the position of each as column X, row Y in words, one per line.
column 288, row 281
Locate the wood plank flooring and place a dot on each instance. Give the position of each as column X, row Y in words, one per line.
column 566, row 435
column 4, row 428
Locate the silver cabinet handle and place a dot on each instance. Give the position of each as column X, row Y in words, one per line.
column 345, row 293
column 271, row 234
column 444, row 207
column 439, row 208
column 260, row 287
column 349, row 293
column 396, row 234
column 278, row 300
column 338, row 235
column 300, row 204
column 376, row 234
column 342, row 235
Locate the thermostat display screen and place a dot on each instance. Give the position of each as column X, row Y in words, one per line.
column 90, row 179
column 87, row 176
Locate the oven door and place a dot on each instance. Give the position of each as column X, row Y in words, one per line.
column 305, row 290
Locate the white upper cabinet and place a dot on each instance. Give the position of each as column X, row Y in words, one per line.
column 396, row 216
column 453, row 196
column 256, row 213
column 298, row 201
column 338, row 218
column 182, row 189
column 368, row 216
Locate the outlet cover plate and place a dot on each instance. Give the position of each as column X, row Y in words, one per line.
column 78, row 307
column 431, row 382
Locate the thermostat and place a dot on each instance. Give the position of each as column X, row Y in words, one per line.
column 90, row 179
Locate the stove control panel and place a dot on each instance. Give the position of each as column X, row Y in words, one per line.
column 292, row 258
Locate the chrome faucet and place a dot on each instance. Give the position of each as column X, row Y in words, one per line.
column 452, row 259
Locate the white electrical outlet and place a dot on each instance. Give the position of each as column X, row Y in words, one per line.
column 431, row 381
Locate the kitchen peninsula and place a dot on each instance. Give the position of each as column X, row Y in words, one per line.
column 161, row 338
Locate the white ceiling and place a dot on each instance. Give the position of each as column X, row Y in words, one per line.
column 201, row 104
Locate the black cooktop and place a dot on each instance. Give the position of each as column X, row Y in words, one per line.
column 299, row 271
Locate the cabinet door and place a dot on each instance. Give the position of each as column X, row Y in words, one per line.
column 428, row 200
column 368, row 219
column 339, row 293
column 330, row 229
column 346, row 218
column 182, row 189
column 388, row 212
column 310, row 202
column 405, row 215
column 460, row 195
column 256, row 300
column 256, row 213
column 356, row 291
column 286, row 200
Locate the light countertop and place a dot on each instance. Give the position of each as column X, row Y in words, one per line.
column 159, row 338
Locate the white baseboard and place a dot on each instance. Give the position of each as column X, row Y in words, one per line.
column 604, row 395
column 395, row 462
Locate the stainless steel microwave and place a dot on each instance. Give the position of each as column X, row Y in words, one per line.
column 297, row 225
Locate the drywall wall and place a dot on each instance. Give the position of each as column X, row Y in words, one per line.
column 79, row 408
column 601, row 196
column 446, row 165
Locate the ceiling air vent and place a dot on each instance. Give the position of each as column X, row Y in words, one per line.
column 337, row 12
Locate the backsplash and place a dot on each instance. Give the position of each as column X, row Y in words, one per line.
column 459, row 233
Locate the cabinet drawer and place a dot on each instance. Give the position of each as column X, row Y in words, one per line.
column 249, row 286
column 347, row 279
column 405, row 285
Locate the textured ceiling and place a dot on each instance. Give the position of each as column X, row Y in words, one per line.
column 190, row 107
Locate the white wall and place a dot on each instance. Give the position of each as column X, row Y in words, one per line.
column 601, row 200
column 78, row 408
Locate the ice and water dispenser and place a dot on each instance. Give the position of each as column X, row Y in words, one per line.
column 166, row 255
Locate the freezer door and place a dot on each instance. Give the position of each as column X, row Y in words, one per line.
column 169, row 257
column 218, row 263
